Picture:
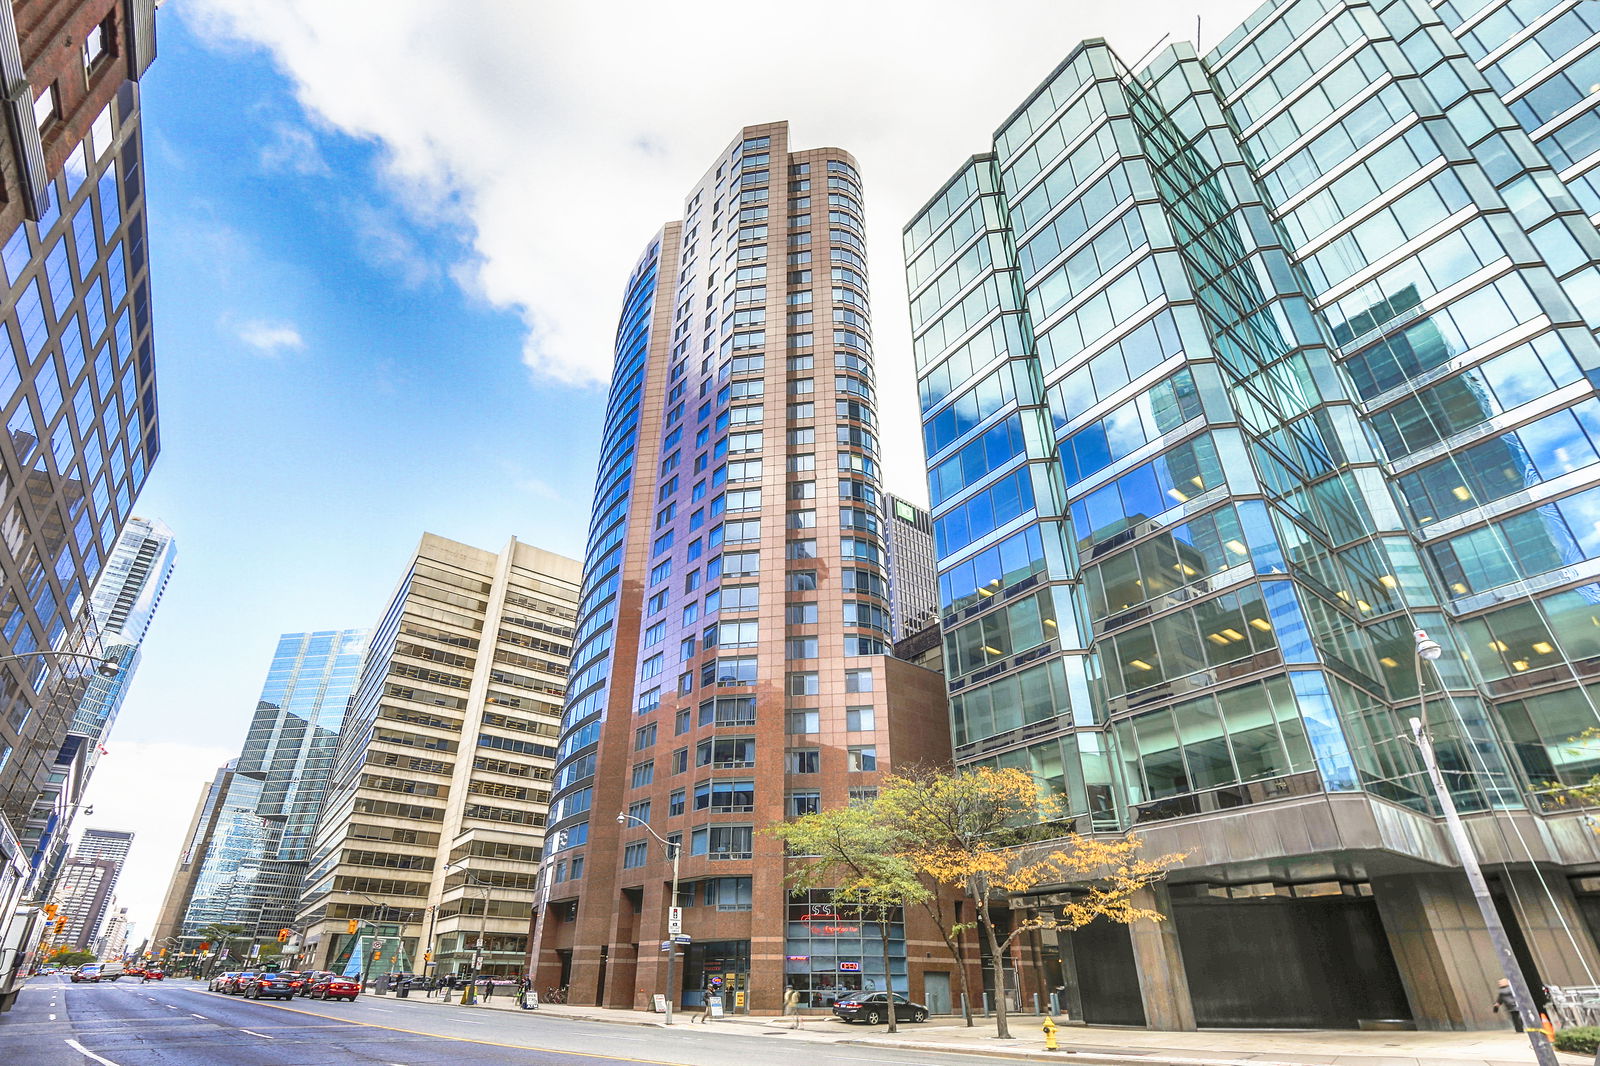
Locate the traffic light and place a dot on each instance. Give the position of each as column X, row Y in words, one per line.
column 377, row 956
column 283, row 936
column 352, row 927
column 205, row 945
column 163, row 953
column 427, row 956
column 51, row 910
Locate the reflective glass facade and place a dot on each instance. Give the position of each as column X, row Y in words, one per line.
column 283, row 773
column 1237, row 369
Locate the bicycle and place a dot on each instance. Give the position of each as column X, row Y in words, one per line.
column 555, row 995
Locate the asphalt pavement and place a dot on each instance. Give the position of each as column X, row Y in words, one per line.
column 176, row 1023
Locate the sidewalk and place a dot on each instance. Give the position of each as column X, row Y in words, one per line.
column 1103, row 1045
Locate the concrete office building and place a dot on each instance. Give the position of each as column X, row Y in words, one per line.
column 82, row 891
column 434, row 825
column 281, row 777
column 77, row 383
column 913, row 570
column 113, row 942
column 731, row 666
column 1235, row 370
column 208, row 812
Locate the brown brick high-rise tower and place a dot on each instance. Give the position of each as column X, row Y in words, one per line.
column 731, row 664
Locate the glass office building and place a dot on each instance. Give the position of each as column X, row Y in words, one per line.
column 1235, row 370
column 253, row 875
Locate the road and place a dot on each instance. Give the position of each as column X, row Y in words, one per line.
column 176, row 1023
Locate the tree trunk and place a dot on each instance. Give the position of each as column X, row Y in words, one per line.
column 952, row 944
column 888, row 975
column 1002, row 1028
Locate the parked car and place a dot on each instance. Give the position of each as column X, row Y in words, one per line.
column 219, row 981
column 154, row 975
column 87, row 972
column 332, row 986
column 268, row 986
column 237, row 985
column 872, row 1008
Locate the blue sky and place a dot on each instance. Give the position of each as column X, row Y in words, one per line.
column 388, row 240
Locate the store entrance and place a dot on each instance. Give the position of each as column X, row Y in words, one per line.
column 727, row 959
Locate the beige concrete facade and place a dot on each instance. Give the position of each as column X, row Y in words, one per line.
column 437, row 809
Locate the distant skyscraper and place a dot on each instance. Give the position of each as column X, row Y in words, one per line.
column 208, row 811
column 77, row 382
column 1236, row 369
column 443, row 775
column 103, row 845
column 913, row 571
column 124, row 601
column 81, row 892
column 113, row 941
column 731, row 666
column 253, row 878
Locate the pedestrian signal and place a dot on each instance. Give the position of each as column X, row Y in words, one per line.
column 283, row 935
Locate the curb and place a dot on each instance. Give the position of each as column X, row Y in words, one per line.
column 1037, row 1055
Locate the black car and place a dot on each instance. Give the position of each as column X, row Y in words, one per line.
column 269, row 986
column 872, row 1008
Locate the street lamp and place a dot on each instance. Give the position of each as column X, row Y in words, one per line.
column 470, row 995
column 1428, row 650
column 106, row 667
column 675, row 848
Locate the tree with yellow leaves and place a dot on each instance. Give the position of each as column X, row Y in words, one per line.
column 986, row 832
column 853, row 855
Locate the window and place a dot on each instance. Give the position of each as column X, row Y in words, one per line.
column 94, row 49
column 802, row 581
column 804, row 722
column 660, row 572
column 680, row 761
column 635, row 854
column 802, row 803
column 727, row 893
column 726, row 752
column 729, row 711
column 802, row 683
column 803, row 760
column 656, row 603
column 651, row 667
column 800, row 648
column 643, row 774
column 862, row 757
column 721, row 841
column 675, row 803
column 577, row 868
column 44, row 106
column 654, row 634
column 801, row 614
column 649, row 700
column 640, row 810
column 680, row 722
column 725, row 796
column 862, row 795
column 858, row 680
column 858, row 719
column 644, row 737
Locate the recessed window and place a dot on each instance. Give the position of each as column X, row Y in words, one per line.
column 97, row 46
column 44, row 105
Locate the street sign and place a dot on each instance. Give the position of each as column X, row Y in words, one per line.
column 681, row 938
column 666, row 945
column 674, row 921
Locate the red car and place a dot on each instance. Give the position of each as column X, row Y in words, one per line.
column 154, row 975
column 332, row 986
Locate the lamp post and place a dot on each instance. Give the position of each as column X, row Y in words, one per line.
column 104, row 666
column 1429, row 650
column 676, row 848
column 470, row 995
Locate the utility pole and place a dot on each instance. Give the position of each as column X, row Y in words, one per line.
column 1429, row 651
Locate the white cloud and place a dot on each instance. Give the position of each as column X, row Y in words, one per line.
column 270, row 337
column 561, row 135
column 293, row 148
column 150, row 789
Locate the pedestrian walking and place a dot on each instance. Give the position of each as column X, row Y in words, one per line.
column 791, row 1004
column 712, row 989
column 1504, row 999
column 523, row 986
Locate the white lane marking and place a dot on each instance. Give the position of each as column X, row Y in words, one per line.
column 263, row 1036
column 103, row 1061
column 386, row 1010
column 52, row 1017
column 202, row 1017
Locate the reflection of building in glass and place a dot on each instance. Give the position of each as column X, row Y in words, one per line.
column 442, row 780
column 283, row 774
column 1235, row 370
column 77, row 383
column 731, row 667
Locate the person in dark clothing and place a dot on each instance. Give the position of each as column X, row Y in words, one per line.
column 1503, row 999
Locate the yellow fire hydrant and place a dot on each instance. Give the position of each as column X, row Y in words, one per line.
column 1049, row 1028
